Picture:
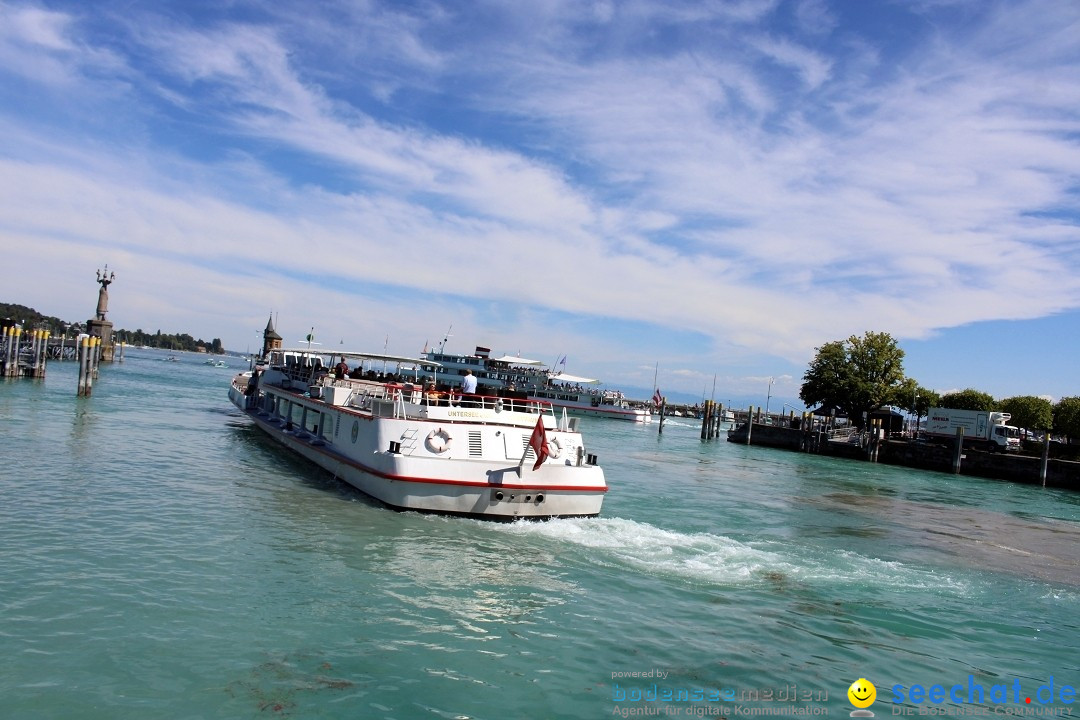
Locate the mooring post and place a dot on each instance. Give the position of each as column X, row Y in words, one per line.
column 877, row 440
column 959, row 449
column 95, row 356
column 749, row 423
column 80, row 357
column 44, row 352
column 663, row 405
column 12, row 368
column 32, row 336
column 31, row 371
column 95, row 360
column 705, row 421
column 1045, row 458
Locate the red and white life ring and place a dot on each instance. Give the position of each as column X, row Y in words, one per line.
column 438, row 441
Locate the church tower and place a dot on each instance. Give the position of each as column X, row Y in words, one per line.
column 271, row 340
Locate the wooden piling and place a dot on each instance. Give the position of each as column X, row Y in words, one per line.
column 80, row 357
column 95, row 356
column 705, row 417
column 663, row 407
column 1045, row 458
column 875, row 441
column 749, row 423
column 959, row 450
column 42, row 355
column 11, row 354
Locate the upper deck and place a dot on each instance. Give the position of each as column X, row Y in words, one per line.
column 407, row 400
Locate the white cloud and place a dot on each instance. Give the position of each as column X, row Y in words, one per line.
column 670, row 185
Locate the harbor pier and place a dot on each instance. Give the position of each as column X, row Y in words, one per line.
column 871, row 445
column 22, row 354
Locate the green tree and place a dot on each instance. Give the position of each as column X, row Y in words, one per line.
column 1067, row 417
column 855, row 376
column 1029, row 412
column 926, row 399
column 827, row 379
column 914, row 398
column 968, row 400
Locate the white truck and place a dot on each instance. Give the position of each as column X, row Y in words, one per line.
column 982, row 429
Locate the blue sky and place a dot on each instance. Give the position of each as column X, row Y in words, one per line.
column 717, row 187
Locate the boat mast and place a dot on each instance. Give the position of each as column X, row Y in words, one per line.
column 445, row 338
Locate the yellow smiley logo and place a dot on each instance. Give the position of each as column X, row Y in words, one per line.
column 862, row 693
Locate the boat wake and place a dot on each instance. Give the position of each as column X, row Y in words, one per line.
column 715, row 559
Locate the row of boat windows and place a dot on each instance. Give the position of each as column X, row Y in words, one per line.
column 456, row 359
column 505, row 377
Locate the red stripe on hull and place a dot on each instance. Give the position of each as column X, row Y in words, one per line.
column 428, row 481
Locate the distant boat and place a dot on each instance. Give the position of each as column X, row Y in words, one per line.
column 514, row 376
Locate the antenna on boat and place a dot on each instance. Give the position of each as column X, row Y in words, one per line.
column 446, row 337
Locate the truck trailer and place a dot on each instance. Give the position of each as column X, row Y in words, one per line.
column 982, row 429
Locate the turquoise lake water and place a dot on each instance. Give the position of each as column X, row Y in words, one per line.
column 159, row 558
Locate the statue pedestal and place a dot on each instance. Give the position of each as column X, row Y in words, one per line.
column 104, row 330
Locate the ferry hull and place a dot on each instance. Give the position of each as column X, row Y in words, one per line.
column 387, row 459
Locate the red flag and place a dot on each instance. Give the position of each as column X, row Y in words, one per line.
column 657, row 398
column 538, row 442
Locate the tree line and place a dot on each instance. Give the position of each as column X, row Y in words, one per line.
column 31, row 319
column 863, row 374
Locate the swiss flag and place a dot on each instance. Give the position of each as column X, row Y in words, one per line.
column 538, row 442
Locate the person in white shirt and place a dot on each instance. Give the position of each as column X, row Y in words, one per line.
column 468, row 386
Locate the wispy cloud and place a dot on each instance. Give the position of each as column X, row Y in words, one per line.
column 760, row 177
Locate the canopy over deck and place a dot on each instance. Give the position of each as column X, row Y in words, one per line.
column 564, row 377
column 358, row 355
column 514, row 360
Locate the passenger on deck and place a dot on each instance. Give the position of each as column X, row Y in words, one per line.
column 468, row 387
column 341, row 370
column 433, row 396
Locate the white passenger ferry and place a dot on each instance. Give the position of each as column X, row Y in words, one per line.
column 412, row 449
column 530, row 379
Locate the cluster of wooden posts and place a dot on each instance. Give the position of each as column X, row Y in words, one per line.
column 88, row 356
column 711, row 418
column 23, row 354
